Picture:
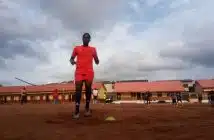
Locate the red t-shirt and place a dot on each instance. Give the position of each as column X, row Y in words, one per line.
column 55, row 94
column 85, row 55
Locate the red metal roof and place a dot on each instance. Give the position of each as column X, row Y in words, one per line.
column 97, row 85
column 206, row 83
column 39, row 88
column 44, row 88
column 166, row 86
column 131, row 87
column 11, row 89
column 157, row 86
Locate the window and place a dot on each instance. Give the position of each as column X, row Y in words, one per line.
column 154, row 94
column 192, row 89
column 133, row 95
column 168, row 94
column 159, row 95
column 185, row 85
column 138, row 96
column 193, row 96
column 73, row 97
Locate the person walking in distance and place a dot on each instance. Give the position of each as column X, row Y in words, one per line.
column 179, row 99
column 144, row 97
column 148, row 98
column 55, row 96
column 212, row 98
column 84, row 73
column 23, row 96
column 95, row 94
column 69, row 97
column 209, row 98
column 200, row 98
column 173, row 96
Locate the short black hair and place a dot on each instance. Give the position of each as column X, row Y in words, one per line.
column 86, row 35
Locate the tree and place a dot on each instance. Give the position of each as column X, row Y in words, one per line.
column 1, row 85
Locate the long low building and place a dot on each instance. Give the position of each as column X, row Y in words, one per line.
column 161, row 90
column 41, row 93
column 203, row 87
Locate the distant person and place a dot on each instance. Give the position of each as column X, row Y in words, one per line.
column 5, row 99
column 84, row 73
column 109, row 100
column 95, row 94
column 173, row 96
column 62, row 98
column 212, row 98
column 23, row 96
column 148, row 97
column 144, row 98
column 55, row 96
column 209, row 98
column 1, row 99
column 179, row 98
column 69, row 98
column 73, row 97
column 200, row 98
column 47, row 98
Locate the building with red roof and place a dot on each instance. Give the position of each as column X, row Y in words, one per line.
column 203, row 87
column 160, row 89
column 128, row 90
column 41, row 92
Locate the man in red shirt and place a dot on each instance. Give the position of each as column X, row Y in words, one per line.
column 55, row 96
column 84, row 72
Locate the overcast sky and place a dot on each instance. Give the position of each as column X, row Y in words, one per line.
column 135, row 39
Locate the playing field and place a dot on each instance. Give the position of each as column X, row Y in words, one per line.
column 138, row 122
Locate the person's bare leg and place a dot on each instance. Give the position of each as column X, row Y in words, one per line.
column 78, row 94
column 88, row 93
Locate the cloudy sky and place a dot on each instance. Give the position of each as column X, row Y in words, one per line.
column 135, row 39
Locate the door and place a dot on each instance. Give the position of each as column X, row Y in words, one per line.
column 73, row 97
column 138, row 96
column 118, row 96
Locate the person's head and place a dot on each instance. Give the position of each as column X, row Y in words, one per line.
column 86, row 38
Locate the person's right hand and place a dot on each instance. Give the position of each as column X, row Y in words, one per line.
column 72, row 62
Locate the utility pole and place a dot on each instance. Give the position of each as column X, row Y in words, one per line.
column 25, row 81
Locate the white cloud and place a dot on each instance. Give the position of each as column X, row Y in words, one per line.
column 157, row 48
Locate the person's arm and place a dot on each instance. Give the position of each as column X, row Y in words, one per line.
column 21, row 92
column 96, row 59
column 73, row 56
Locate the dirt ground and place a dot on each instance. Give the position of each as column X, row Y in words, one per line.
column 138, row 122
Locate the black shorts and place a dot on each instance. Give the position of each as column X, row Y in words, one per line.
column 95, row 97
column 179, row 100
column 173, row 101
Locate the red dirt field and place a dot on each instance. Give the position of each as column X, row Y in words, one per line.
column 138, row 122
